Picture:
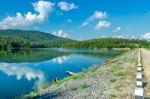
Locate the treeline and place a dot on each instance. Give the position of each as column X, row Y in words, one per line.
column 108, row 43
column 144, row 44
column 23, row 39
column 7, row 43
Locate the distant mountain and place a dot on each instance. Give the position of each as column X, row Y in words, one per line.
column 31, row 35
column 30, row 38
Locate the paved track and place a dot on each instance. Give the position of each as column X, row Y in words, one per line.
column 146, row 67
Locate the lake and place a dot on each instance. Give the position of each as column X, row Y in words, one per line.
column 23, row 71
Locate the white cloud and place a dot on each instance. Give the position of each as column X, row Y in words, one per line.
column 102, row 24
column 96, row 15
column 117, row 29
column 146, row 35
column 43, row 8
column 125, row 36
column 60, row 33
column 67, row 6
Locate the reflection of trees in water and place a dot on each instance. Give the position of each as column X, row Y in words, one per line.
column 100, row 54
column 42, row 55
column 29, row 56
column 22, row 71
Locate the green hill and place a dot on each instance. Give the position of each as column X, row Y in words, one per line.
column 26, row 39
column 30, row 35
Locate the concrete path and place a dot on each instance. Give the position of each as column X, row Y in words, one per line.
column 146, row 67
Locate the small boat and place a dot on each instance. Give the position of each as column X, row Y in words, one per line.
column 70, row 73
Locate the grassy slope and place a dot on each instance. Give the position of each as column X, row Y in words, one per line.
column 122, row 69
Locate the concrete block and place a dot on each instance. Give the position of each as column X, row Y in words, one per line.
column 139, row 69
column 139, row 92
column 139, row 84
column 139, row 76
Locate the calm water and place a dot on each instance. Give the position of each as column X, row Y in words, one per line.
column 23, row 71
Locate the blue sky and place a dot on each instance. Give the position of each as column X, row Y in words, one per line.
column 79, row 19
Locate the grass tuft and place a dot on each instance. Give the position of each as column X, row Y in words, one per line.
column 113, row 80
column 73, row 88
column 83, row 86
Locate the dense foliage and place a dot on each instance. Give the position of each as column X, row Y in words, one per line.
column 109, row 43
column 23, row 39
column 7, row 43
column 29, row 39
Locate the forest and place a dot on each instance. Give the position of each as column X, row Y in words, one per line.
column 108, row 43
column 23, row 39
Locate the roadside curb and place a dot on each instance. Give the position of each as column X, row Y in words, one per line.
column 139, row 90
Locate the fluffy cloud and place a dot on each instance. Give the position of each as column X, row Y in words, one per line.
column 146, row 36
column 67, row 6
column 60, row 33
column 125, row 36
column 96, row 15
column 43, row 8
column 117, row 29
column 102, row 24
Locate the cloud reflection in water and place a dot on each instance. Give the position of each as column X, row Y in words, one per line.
column 60, row 60
column 29, row 73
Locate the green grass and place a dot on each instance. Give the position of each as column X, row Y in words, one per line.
column 120, row 73
column 101, row 93
column 78, row 75
column 83, row 86
column 119, row 87
column 147, row 98
column 35, row 91
column 115, row 68
column 113, row 96
column 113, row 80
column 73, row 88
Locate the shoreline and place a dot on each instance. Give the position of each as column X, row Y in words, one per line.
column 98, row 70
